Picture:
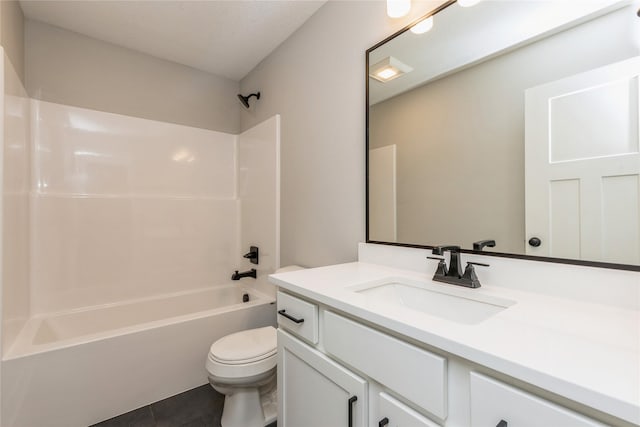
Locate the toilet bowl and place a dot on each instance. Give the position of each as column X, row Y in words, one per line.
column 242, row 366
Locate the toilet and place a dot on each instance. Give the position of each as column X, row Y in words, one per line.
column 242, row 366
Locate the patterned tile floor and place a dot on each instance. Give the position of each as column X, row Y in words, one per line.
column 200, row 407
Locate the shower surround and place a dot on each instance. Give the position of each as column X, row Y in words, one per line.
column 105, row 213
column 126, row 207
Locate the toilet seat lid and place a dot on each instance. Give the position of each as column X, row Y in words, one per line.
column 245, row 346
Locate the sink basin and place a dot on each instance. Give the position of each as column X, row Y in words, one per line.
column 466, row 306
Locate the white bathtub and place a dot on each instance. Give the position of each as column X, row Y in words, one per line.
column 81, row 367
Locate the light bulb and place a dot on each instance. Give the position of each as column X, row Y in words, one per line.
column 423, row 26
column 398, row 8
column 386, row 73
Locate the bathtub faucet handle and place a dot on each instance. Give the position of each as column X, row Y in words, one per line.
column 252, row 255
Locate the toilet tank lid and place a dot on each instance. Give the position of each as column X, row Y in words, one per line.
column 288, row 268
column 246, row 345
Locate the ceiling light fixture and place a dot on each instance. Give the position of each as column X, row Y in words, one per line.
column 423, row 26
column 468, row 3
column 388, row 69
column 398, row 8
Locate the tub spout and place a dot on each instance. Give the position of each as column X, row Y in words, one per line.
column 250, row 273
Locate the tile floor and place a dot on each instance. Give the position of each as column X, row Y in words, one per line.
column 200, row 407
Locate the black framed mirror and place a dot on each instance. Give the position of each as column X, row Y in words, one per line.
column 515, row 122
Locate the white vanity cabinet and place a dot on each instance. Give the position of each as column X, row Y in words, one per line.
column 339, row 371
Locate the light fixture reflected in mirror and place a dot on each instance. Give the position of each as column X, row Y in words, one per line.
column 423, row 26
column 398, row 8
column 388, row 69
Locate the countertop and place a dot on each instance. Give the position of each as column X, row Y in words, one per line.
column 586, row 352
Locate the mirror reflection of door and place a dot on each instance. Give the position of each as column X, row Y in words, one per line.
column 382, row 194
column 582, row 165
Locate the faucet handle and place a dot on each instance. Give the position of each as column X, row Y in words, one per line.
column 442, row 266
column 252, row 255
column 470, row 274
column 481, row 264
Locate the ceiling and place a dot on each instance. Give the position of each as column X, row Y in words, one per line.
column 227, row 38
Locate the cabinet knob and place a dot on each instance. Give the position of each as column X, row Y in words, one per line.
column 383, row 422
column 352, row 400
column 502, row 423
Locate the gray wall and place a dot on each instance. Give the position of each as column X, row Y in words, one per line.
column 12, row 34
column 460, row 139
column 73, row 69
column 316, row 81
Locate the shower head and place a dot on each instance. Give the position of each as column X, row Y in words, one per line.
column 245, row 99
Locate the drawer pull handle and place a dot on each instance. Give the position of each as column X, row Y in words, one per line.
column 383, row 422
column 502, row 423
column 352, row 400
column 290, row 317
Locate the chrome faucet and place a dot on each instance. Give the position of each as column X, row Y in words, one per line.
column 454, row 274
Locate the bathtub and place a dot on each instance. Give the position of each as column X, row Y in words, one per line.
column 80, row 367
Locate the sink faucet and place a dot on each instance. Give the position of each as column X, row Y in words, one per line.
column 250, row 273
column 454, row 274
column 477, row 246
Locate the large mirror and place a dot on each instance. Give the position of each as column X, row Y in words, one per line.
column 514, row 121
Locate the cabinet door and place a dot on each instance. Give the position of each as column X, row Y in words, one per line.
column 314, row 391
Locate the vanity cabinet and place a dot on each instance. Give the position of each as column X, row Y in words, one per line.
column 314, row 391
column 339, row 371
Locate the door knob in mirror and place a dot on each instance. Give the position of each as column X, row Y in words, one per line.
column 535, row 242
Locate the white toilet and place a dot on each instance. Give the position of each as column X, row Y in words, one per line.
column 242, row 366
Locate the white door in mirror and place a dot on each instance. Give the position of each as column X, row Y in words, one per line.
column 382, row 194
column 582, row 171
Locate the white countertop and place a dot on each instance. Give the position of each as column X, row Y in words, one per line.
column 586, row 352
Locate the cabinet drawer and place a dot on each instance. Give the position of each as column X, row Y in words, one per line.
column 392, row 413
column 298, row 317
column 494, row 403
column 411, row 372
